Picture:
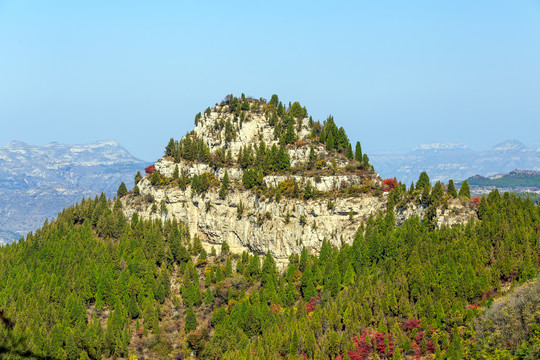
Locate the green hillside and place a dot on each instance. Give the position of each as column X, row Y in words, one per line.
column 517, row 178
column 95, row 285
column 92, row 284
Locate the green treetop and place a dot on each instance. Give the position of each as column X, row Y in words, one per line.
column 122, row 190
column 451, row 188
column 358, row 152
column 464, row 190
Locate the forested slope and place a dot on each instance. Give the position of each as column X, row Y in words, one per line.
column 92, row 284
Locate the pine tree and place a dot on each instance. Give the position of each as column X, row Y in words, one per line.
column 122, row 190
column 269, row 271
column 309, row 344
column 482, row 208
column 350, row 154
column 224, row 186
column 228, row 267
column 169, row 148
column 254, row 266
column 451, row 189
column 436, row 194
column 365, row 161
column 308, row 288
column 464, row 190
column 455, row 350
column 253, row 323
column 330, row 142
column 138, row 177
column 209, row 297
column 308, row 191
column 358, row 152
column 274, row 100
column 423, row 181
column 191, row 320
column 296, row 110
column 311, row 159
column 225, row 248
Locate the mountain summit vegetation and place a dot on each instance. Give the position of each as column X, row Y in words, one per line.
column 94, row 284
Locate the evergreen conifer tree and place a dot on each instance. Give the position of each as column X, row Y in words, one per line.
column 209, row 297
column 350, row 154
column 122, row 190
column 191, row 320
column 274, row 100
column 464, row 190
column 423, row 181
column 330, row 142
column 451, row 189
column 358, row 152
column 138, row 177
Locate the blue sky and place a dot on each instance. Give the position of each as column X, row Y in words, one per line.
column 395, row 74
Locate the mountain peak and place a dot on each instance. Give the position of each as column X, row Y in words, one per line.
column 508, row 145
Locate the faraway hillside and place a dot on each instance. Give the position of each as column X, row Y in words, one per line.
column 444, row 161
column 264, row 177
column 37, row 182
column 262, row 234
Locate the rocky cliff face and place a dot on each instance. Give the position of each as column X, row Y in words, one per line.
column 282, row 228
column 250, row 220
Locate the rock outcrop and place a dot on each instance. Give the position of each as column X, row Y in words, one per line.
column 349, row 192
column 249, row 223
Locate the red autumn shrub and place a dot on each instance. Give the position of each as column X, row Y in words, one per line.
column 150, row 169
column 389, row 184
column 410, row 324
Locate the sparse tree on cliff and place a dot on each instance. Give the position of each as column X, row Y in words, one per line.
column 464, row 190
column 451, row 188
column 122, row 190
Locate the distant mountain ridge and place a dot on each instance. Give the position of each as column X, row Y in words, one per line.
column 517, row 180
column 444, row 161
column 36, row 182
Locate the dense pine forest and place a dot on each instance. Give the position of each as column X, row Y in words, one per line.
column 91, row 284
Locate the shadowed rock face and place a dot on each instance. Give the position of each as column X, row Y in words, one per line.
column 281, row 227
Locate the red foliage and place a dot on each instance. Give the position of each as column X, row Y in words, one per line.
column 419, row 337
column 312, row 304
column 486, row 295
column 363, row 348
column 431, row 347
column 389, row 184
column 410, row 324
column 476, row 200
column 368, row 341
column 276, row 308
column 150, row 169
